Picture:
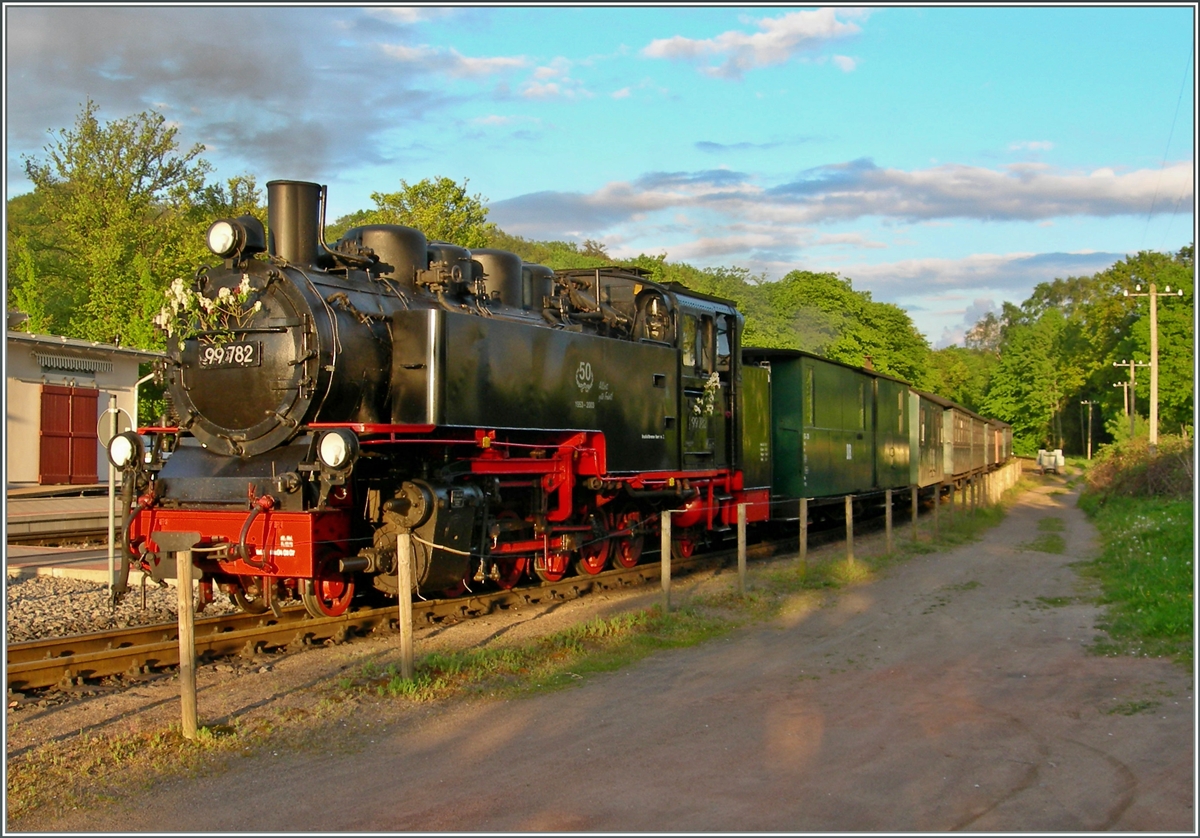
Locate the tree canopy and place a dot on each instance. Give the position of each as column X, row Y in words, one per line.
column 439, row 207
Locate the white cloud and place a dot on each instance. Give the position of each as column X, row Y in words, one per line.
column 848, row 191
column 557, row 68
column 407, row 14
column 451, row 62
column 845, row 63
column 623, row 93
column 1031, row 145
column 779, row 40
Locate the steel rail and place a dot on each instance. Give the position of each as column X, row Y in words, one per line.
column 68, row 661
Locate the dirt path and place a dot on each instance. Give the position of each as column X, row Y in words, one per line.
column 953, row 693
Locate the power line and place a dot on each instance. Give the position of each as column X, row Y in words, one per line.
column 1167, row 150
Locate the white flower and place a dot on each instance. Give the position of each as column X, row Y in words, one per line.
column 258, row 305
column 224, row 293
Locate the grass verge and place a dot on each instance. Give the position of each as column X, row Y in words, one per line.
column 1146, row 575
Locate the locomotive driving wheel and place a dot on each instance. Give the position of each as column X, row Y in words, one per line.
column 329, row 594
column 684, row 544
column 510, row 571
column 628, row 548
column 552, row 566
column 593, row 556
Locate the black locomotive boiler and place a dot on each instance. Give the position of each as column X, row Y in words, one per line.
column 514, row 420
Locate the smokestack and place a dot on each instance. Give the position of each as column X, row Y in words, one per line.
column 294, row 220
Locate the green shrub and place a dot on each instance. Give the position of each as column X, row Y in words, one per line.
column 1128, row 469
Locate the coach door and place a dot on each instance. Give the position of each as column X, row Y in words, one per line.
column 68, row 435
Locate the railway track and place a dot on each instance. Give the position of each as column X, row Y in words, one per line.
column 133, row 652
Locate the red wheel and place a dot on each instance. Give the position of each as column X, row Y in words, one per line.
column 328, row 595
column 551, row 567
column 511, row 570
column 628, row 549
column 683, row 547
column 593, row 556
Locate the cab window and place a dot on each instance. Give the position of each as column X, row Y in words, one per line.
column 688, row 341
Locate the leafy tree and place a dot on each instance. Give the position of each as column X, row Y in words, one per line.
column 438, row 207
column 1176, row 336
column 113, row 198
column 558, row 255
column 828, row 317
column 1025, row 389
column 985, row 335
column 962, row 374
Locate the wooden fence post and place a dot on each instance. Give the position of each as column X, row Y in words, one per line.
column 741, row 536
column 888, row 504
column 181, row 544
column 850, row 529
column 937, row 510
column 913, row 490
column 804, row 535
column 404, row 583
column 665, row 572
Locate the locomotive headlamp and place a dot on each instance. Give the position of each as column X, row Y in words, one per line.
column 338, row 449
column 224, row 239
column 230, row 236
column 125, row 450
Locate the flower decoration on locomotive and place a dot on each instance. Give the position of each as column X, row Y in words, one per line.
column 707, row 403
column 190, row 313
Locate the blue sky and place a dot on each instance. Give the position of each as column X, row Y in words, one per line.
column 944, row 159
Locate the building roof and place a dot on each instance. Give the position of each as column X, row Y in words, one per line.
column 60, row 342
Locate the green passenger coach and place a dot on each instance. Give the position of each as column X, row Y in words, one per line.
column 836, row 429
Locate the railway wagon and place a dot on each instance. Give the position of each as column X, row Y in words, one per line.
column 926, row 430
column 835, row 429
column 965, row 439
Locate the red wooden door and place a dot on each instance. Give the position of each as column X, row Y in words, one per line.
column 68, row 435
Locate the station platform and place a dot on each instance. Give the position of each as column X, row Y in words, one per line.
column 23, row 561
column 46, row 512
column 49, row 516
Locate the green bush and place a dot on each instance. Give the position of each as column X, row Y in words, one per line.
column 1128, row 469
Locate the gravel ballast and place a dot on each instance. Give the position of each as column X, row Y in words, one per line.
column 39, row 607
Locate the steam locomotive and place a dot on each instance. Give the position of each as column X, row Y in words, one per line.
column 515, row 421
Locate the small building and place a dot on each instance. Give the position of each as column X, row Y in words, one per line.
column 58, row 390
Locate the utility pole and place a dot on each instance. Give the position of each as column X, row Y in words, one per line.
column 1131, row 387
column 1089, row 404
column 1153, row 295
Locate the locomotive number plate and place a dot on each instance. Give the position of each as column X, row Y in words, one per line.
column 248, row 354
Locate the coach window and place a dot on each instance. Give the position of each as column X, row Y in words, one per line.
column 862, row 405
